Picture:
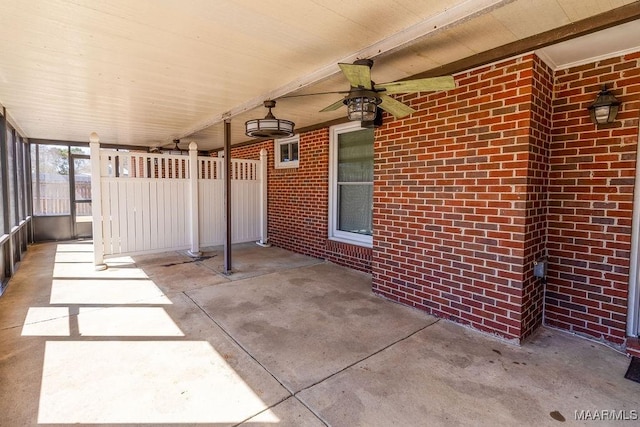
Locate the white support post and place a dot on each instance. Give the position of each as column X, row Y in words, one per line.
column 96, row 202
column 193, row 201
column 264, row 238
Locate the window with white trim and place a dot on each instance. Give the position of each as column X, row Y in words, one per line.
column 286, row 152
column 351, row 184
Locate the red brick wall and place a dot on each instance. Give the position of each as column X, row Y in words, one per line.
column 298, row 203
column 452, row 195
column 477, row 185
column 591, row 196
column 535, row 238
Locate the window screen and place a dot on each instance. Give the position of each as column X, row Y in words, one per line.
column 51, row 180
column 355, row 182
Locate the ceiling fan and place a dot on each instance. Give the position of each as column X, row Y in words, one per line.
column 363, row 100
column 365, row 96
column 173, row 150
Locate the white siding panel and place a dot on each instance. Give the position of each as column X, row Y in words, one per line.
column 138, row 212
column 129, row 244
column 106, row 220
column 153, row 216
column 161, row 204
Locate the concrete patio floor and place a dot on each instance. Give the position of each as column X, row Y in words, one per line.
column 286, row 340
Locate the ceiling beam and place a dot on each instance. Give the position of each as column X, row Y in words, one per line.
column 461, row 12
column 41, row 141
column 11, row 121
column 621, row 15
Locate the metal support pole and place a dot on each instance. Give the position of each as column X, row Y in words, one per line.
column 264, row 239
column 227, row 196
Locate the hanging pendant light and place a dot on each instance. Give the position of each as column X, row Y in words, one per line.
column 269, row 127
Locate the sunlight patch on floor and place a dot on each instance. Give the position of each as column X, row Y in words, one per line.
column 46, row 322
column 81, row 257
column 144, row 380
column 120, row 261
column 95, row 291
column 126, row 322
column 121, row 269
column 75, row 247
column 117, row 382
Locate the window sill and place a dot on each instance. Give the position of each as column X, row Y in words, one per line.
column 286, row 165
column 352, row 242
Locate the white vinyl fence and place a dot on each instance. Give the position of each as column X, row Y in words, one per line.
column 159, row 202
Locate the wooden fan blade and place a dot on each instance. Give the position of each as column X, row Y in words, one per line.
column 395, row 108
column 418, row 85
column 358, row 75
column 333, row 106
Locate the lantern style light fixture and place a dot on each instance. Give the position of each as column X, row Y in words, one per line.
column 605, row 108
column 361, row 105
column 269, row 127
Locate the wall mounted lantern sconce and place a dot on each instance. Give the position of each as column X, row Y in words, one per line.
column 605, row 108
column 269, row 127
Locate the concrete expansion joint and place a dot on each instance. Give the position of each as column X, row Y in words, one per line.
column 292, row 393
column 369, row 356
column 314, row 412
column 238, row 343
column 310, row 408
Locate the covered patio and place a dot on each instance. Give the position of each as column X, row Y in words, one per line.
column 484, row 171
column 286, row 339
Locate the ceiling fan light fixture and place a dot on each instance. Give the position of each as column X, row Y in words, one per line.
column 269, row 127
column 362, row 105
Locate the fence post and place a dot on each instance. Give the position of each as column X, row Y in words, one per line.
column 193, row 201
column 264, row 238
column 96, row 202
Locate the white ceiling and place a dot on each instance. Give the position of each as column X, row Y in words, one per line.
column 145, row 72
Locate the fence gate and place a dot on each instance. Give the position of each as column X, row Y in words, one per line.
column 148, row 202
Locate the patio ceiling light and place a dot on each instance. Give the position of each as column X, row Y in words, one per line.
column 269, row 127
column 605, row 107
column 361, row 105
